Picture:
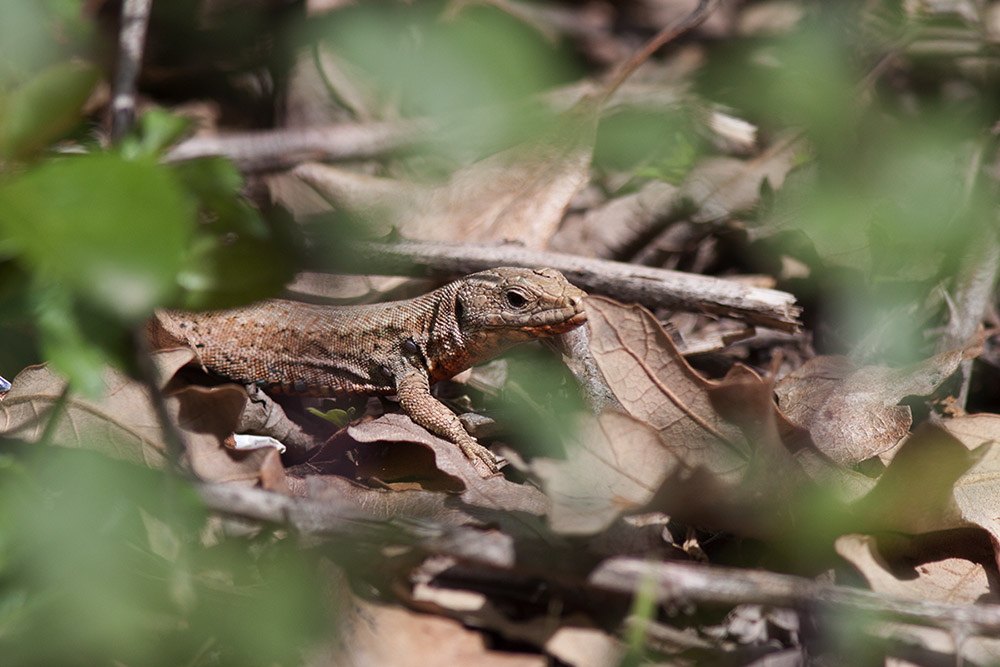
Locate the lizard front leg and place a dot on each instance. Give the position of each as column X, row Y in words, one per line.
column 414, row 392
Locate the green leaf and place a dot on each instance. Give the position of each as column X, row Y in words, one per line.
column 155, row 132
column 238, row 256
column 38, row 33
column 478, row 58
column 78, row 345
column 337, row 417
column 45, row 108
column 113, row 232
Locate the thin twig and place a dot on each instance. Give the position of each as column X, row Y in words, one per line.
column 278, row 149
column 131, row 42
column 679, row 583
column 671, row 32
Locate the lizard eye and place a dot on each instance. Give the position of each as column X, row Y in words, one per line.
column 516, row 299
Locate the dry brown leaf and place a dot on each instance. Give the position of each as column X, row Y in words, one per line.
column 916, row 492
column 122, row 422
column 213, row 413
column 723, row 186
column 948, row 580
column 951, row 580
column 852, row 413
column 519, row 194
column 617, row 466
column 943, row 477
column 685, row 444
column 377, row 634
column 494, row 492
column 604, row 231
column 977, row 492
column 383, row 202
column 657, row 387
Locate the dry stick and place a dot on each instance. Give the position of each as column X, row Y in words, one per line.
column 332, row 516
column 628, row 282
column 131, row 42
column 676, row 583
column 277, row 149
column 973, row 287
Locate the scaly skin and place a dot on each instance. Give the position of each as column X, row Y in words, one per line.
column 400, row 347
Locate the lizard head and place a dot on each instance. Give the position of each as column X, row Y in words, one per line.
column 518, row 304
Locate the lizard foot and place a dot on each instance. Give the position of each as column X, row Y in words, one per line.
column 474, row 451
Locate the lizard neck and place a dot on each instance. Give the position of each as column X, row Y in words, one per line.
column 450, row 349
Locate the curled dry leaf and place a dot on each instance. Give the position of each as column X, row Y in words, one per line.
column 948, row 580
column 209, row 415
column 943, row 477
column 977, row 492
column 617, row 466
column 605, row 231
column 494, row 492
column 852, row 413
column 655, row 385
column 952, row 580
column 521, row 193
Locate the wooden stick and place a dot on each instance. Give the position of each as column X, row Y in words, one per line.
column 277, row 149
column 649, row 286
column 131, row 43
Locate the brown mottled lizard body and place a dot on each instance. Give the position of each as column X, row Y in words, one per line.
column 400, row 347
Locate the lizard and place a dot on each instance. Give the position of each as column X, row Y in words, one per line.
column 396, row 347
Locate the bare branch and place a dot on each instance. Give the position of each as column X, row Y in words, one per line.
column 131, row 42
column 680, row 583
column 278, row 149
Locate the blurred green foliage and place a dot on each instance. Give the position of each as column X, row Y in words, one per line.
column 115, row 230
column 44, row 108
column 35, row 34
column 104, row 562
column 101, row 562
column 540, row 400
column 655, row 144
column 92, row 242
column 896, row 190
column 475, row 70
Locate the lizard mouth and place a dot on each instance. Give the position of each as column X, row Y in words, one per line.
column 560, row 327
column 577, row 319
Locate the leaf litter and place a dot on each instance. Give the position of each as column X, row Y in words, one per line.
column 732, row 470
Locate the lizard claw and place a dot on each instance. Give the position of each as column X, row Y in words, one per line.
column 474, row 451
